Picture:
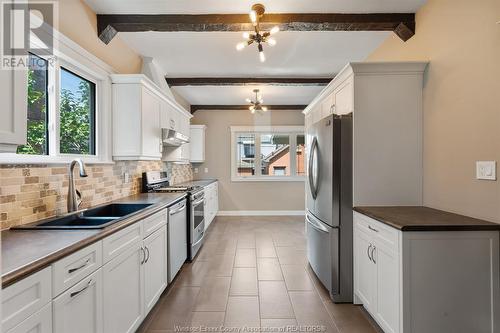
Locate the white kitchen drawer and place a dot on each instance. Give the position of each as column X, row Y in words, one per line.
column 154, row 222
column 24, row 298
column 39, row 322
column 119, row 242
column 75, row 267
column 384, row 234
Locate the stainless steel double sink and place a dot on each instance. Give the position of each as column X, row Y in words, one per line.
column 94, row 218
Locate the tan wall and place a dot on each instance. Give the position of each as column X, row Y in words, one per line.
column 79, row 23
column 461, row 100
column 235, row 196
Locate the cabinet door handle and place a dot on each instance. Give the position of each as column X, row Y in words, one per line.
column 147, row 258
column 76, row 293
column 373, row 250
column 372, row 228
column 368, row 252
column 71, row 270
column 143, row 255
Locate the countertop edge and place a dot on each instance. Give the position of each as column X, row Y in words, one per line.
column 488, row 226
column 16, row 275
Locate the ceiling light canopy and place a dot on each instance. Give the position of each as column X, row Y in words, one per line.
column 258, row 36
column 256, row 105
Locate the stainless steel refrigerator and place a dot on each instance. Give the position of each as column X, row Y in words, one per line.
column 329, row 204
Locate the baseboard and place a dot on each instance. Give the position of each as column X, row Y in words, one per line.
column 261, row 213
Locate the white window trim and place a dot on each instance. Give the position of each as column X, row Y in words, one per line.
column 73, row 57
column 291, row 130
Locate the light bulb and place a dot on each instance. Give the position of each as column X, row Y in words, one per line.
column 264, row 108
column 274, row 30
column 240, row 46
column 271, row 41
column 248, row 100
column 246, row 35
column 253, row 17
column 262, row 56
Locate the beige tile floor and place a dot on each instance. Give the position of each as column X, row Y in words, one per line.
column 252, row 272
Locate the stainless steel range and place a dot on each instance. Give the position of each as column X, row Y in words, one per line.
column 158, row 181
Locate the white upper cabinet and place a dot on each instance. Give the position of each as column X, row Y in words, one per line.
column 140, row 111
column 197, row 143
column 14, row 109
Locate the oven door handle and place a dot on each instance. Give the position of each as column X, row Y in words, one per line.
column 199, row 240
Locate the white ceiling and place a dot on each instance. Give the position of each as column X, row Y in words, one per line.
column 236, row 95
column 213, row 54
column 243, row 6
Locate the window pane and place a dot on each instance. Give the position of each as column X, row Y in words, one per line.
column 245, row 155
column 36, row 142
column 77, row 114
column 275, row 154
column 300, row 156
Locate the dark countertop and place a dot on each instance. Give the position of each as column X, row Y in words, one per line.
column 419, row 218
column 200, row 182
column 25, row 252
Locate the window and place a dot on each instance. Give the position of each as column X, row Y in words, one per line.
column 277, row 151
column 63, row 123
column 77, row 114
column 37, row 135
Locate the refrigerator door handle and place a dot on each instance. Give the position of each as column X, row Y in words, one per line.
column 313, row 168
column 316, row 225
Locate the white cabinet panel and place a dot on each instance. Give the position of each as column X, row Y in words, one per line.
column 151, row 131
column 343, row 100
column 364, row 277
column 14, row 109
column 40, row 322
column 24, row 298
column 154, row 222
column 387, row 288
column 155, row 277
column 71, row 269
column 79, row 309
column 123, row 291
column 197, row 143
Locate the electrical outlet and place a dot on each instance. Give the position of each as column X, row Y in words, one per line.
column 486, row 170
column 126, row 177
column 206, row 170
column 195, row 170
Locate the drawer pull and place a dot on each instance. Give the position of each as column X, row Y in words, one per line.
column 372, row 229
column 71, row 270
column 76, row 293
column 368, row 252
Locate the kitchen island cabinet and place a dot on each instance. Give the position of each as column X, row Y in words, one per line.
column 418, row 269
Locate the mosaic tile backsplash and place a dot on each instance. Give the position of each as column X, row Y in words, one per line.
column 32, row 192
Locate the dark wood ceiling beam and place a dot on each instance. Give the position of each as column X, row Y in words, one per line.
column 403, row 24
column 245, row 81
column 195, row 108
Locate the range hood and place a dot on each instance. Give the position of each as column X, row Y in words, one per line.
column 173, row 138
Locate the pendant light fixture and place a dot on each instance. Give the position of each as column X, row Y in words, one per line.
column 258, row 36
column 256, row 105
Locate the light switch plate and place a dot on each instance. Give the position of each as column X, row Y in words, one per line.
column 486, row 170
column 195, row 170
column 206, row 170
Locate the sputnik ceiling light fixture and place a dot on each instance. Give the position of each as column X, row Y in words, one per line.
column 257, row 103
column 258, row 36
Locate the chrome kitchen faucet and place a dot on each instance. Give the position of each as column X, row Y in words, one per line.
column 74, row 196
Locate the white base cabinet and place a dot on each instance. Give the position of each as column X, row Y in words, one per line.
column 123, row 291
column 432, row 281
column 108, row 286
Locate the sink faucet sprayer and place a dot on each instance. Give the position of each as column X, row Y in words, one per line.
column 74, row 197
